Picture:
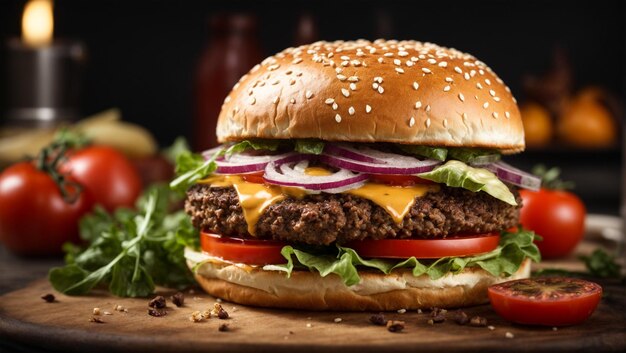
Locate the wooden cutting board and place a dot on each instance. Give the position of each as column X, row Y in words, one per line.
column 64, row 326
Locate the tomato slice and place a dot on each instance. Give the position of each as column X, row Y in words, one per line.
column 256, row 177
column 426, row 248
column 550, row 301
column 250, row 252
column 398, row 180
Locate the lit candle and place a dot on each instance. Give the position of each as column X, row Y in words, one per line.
column 43, row 87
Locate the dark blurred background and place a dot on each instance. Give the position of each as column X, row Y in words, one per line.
column 143, row 57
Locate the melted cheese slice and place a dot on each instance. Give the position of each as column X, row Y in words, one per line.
column 255, row 198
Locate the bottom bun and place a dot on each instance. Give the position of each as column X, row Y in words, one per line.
column 376, row 291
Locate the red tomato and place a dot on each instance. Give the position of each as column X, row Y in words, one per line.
column 256, row 178
column 398, row 180
column 251, row 252
column 34, row 217
column 550, row 301
column 106, row 174
column 426, row 248
column 557, row 216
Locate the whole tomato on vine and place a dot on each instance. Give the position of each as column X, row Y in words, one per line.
column 554, row 213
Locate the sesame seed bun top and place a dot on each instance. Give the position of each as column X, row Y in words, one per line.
column 383, row 91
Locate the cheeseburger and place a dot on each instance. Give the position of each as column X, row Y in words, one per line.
column 358, row 175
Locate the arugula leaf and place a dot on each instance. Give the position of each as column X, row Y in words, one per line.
column 504, row 260
column 458, row 174
column 191, row 167
column 258, row 144
column 179, row 146
column 309, row 146
column 131, row 251
column 438, row 153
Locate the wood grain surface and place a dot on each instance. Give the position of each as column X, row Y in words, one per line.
column 65, row 325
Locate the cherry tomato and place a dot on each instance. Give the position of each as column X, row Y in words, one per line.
column 398, row 180
column 550, row 301
column 246, row 251
column 254, row 177
column 34, row 217
column 557, row 216
column 426, row 248
column 107, row 174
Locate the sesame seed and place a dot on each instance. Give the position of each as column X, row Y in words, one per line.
column 403, row 53
column 446, row 88
column 464, row 116
column 422, row 56
column 507, row 114
column 329, row 101
column 337, row 320
column 338, row 70
column 481, row 71
column 409, row 63
column 479, row 85
column 338, row 118
column 345, row 63
column 353, row 86
column 486, row 105
column 427, row 122
column 411, row 122
column 445, row 122
column 449, row 79
column 335, row 106
column 443, row 64
column 368, row 108
column 293, row 101
column 399, row 70
column 514, row 100
column 416, row 85
column 467, row 76
column 381, row 60
column 375, row 85
column 458, row 69
column 461, row 97
column 506, row 88
column 388, row 54
column 345, row 92
column 275, row 82
column 250, row 92
column 473, row 73
column 497, row 99
column 292, row 82
column 414, row 59
column 351, row 110
column 341, row 77
column 509, row 335
column 356, row 62
column 252, row 100
column 344, row 57
column 372, row 50
column 227, row 99
column 397, row 61
column 308, row 94
column 426, row 70
column 401, row 311
column 428, row 108
column 275, row 100
column 488, row 82
column 353, row 79
column 432, row 61
column 492, row 93
column 378, row 79
column 418, row 105
column 381, row 89
column 289, row 72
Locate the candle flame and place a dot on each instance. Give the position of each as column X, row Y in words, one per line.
column 37, row 22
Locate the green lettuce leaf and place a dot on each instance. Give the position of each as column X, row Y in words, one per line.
column 258, row 144
column 505, row 260
column 309, row 146
column 472, row 155
column 458, row 174
column 438, row 153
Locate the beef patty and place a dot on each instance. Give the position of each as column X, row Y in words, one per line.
column 326, row 218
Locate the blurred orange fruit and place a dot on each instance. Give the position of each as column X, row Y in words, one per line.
column 537, row 124
column 587, row 123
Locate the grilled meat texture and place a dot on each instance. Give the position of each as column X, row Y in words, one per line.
column 327, row 218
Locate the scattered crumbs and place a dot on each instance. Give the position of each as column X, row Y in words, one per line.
column 401, row 311
column 157, row 312
column 438, row 315
column 509, row 335
column 555, row 328
column 107, row 313
column 48, row 298
column 119, row 308
column 157, row 302
column 198, row 298
column 178, row 299
column 338, row 320
column 196, row 316
column 430, row 322
column 308, row 325
column 96, row 320
column 395, row 326
column 223, row 328
column 234, row 308
column 219, row 300
column 419, row 311
column 460, row 317
column 491, row 328
column 96, row 311
column 219, row 311
column 478, row 321
column 378, row 319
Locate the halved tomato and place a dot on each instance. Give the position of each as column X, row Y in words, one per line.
column 254, row 177
column 246, row 251
column 549, row 301
column 426, row 248
column 398, row 180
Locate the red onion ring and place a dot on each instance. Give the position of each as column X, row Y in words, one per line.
column 514, row 176
column 292, row 173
